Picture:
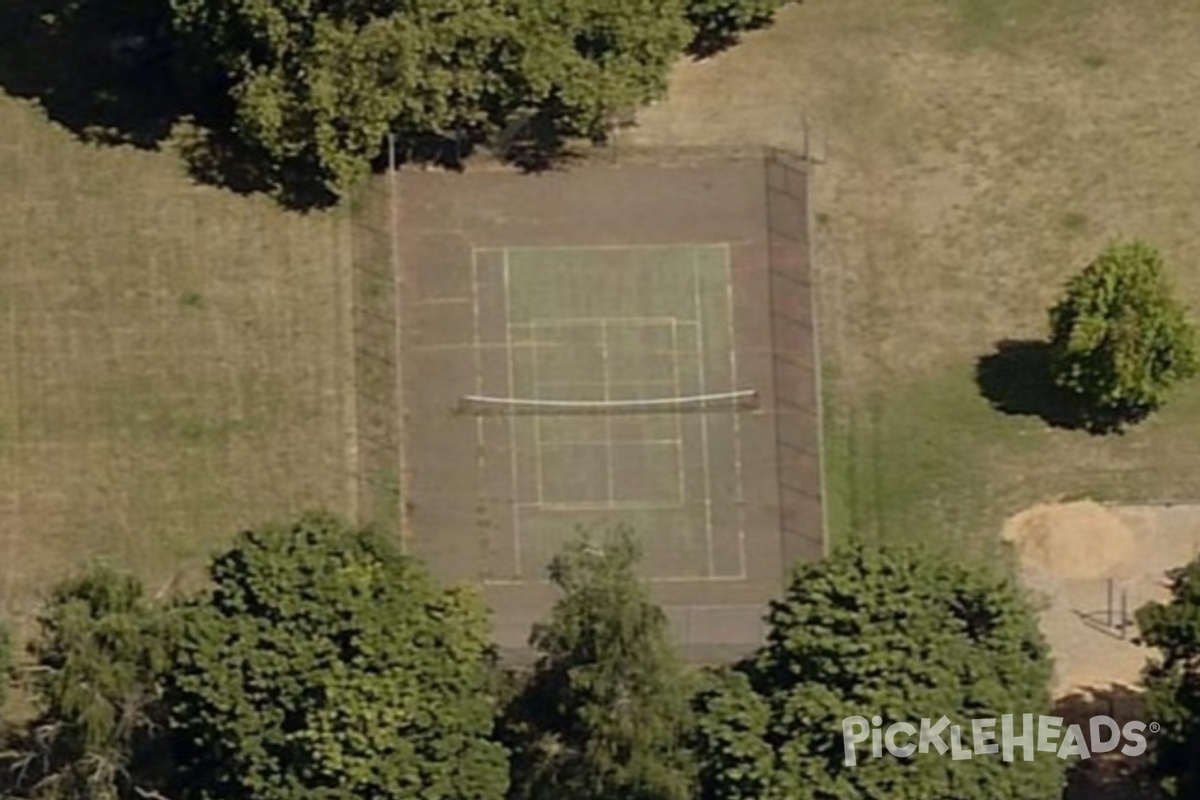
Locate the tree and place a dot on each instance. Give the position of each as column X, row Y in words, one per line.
column 315, row 85
column 718, row 23
column 100, row 654
column 1119, row 339
column 576, row 64
column 323, row 664
column 895, row 633
column 1173, row 683
column 605, row 712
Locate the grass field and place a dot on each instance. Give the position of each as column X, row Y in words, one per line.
column 170, row 358
column 978, row 152
column 170, row 353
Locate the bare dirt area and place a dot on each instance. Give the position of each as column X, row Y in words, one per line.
column 1090, row 568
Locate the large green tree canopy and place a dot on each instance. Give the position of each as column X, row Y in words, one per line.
column 323, row 664
column 100, row 652
column 896, row 633
column 1119, row 338
column 316, row 84
column 605, row 712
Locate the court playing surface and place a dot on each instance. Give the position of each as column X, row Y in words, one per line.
column 607, row 346
column 598, row 351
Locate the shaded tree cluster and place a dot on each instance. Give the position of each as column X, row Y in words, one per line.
column 297, row 96
column 1173, row 683
column 322, row 663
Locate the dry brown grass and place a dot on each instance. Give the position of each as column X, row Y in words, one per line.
column 172, row 360
column 171, row 352
column 977, row 153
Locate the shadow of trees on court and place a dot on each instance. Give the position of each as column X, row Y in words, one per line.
column 1016, row 379
column 1107, row 776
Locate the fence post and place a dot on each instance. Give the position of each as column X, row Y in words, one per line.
column 1110, row 603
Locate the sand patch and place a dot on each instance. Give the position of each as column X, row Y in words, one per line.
column 1071, row 540
column 1090, row 567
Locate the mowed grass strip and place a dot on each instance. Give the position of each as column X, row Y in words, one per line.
column 173, row 360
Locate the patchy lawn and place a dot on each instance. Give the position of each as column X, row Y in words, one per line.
column 171, row 358
column 977, row 152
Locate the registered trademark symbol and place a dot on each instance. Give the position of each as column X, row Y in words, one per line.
column 1154, row 727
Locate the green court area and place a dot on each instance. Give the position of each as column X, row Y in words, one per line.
column 615, row 345
column 604, row 353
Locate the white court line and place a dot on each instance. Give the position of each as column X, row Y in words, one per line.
column 708, row 511
column 537, row 423
column 739, row 491
column 589, row 322
column 693, row 246
column 597, row 443
column 435, row 348
column 600, row 506
column 607, row 419
column 480, row 439
column 678, row 417
column 512, row 421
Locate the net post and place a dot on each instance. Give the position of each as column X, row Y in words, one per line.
column 1124, row 612
column 1110, row 603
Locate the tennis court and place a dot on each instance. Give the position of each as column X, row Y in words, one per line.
column 618, row 380
column 622, row 344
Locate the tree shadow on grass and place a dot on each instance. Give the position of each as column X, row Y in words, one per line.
column 1016, row 379
column 104, row 70
column 216, row 157
column 100, row 68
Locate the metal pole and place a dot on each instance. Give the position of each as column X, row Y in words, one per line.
column 1124, row 614
column 1110, row 602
